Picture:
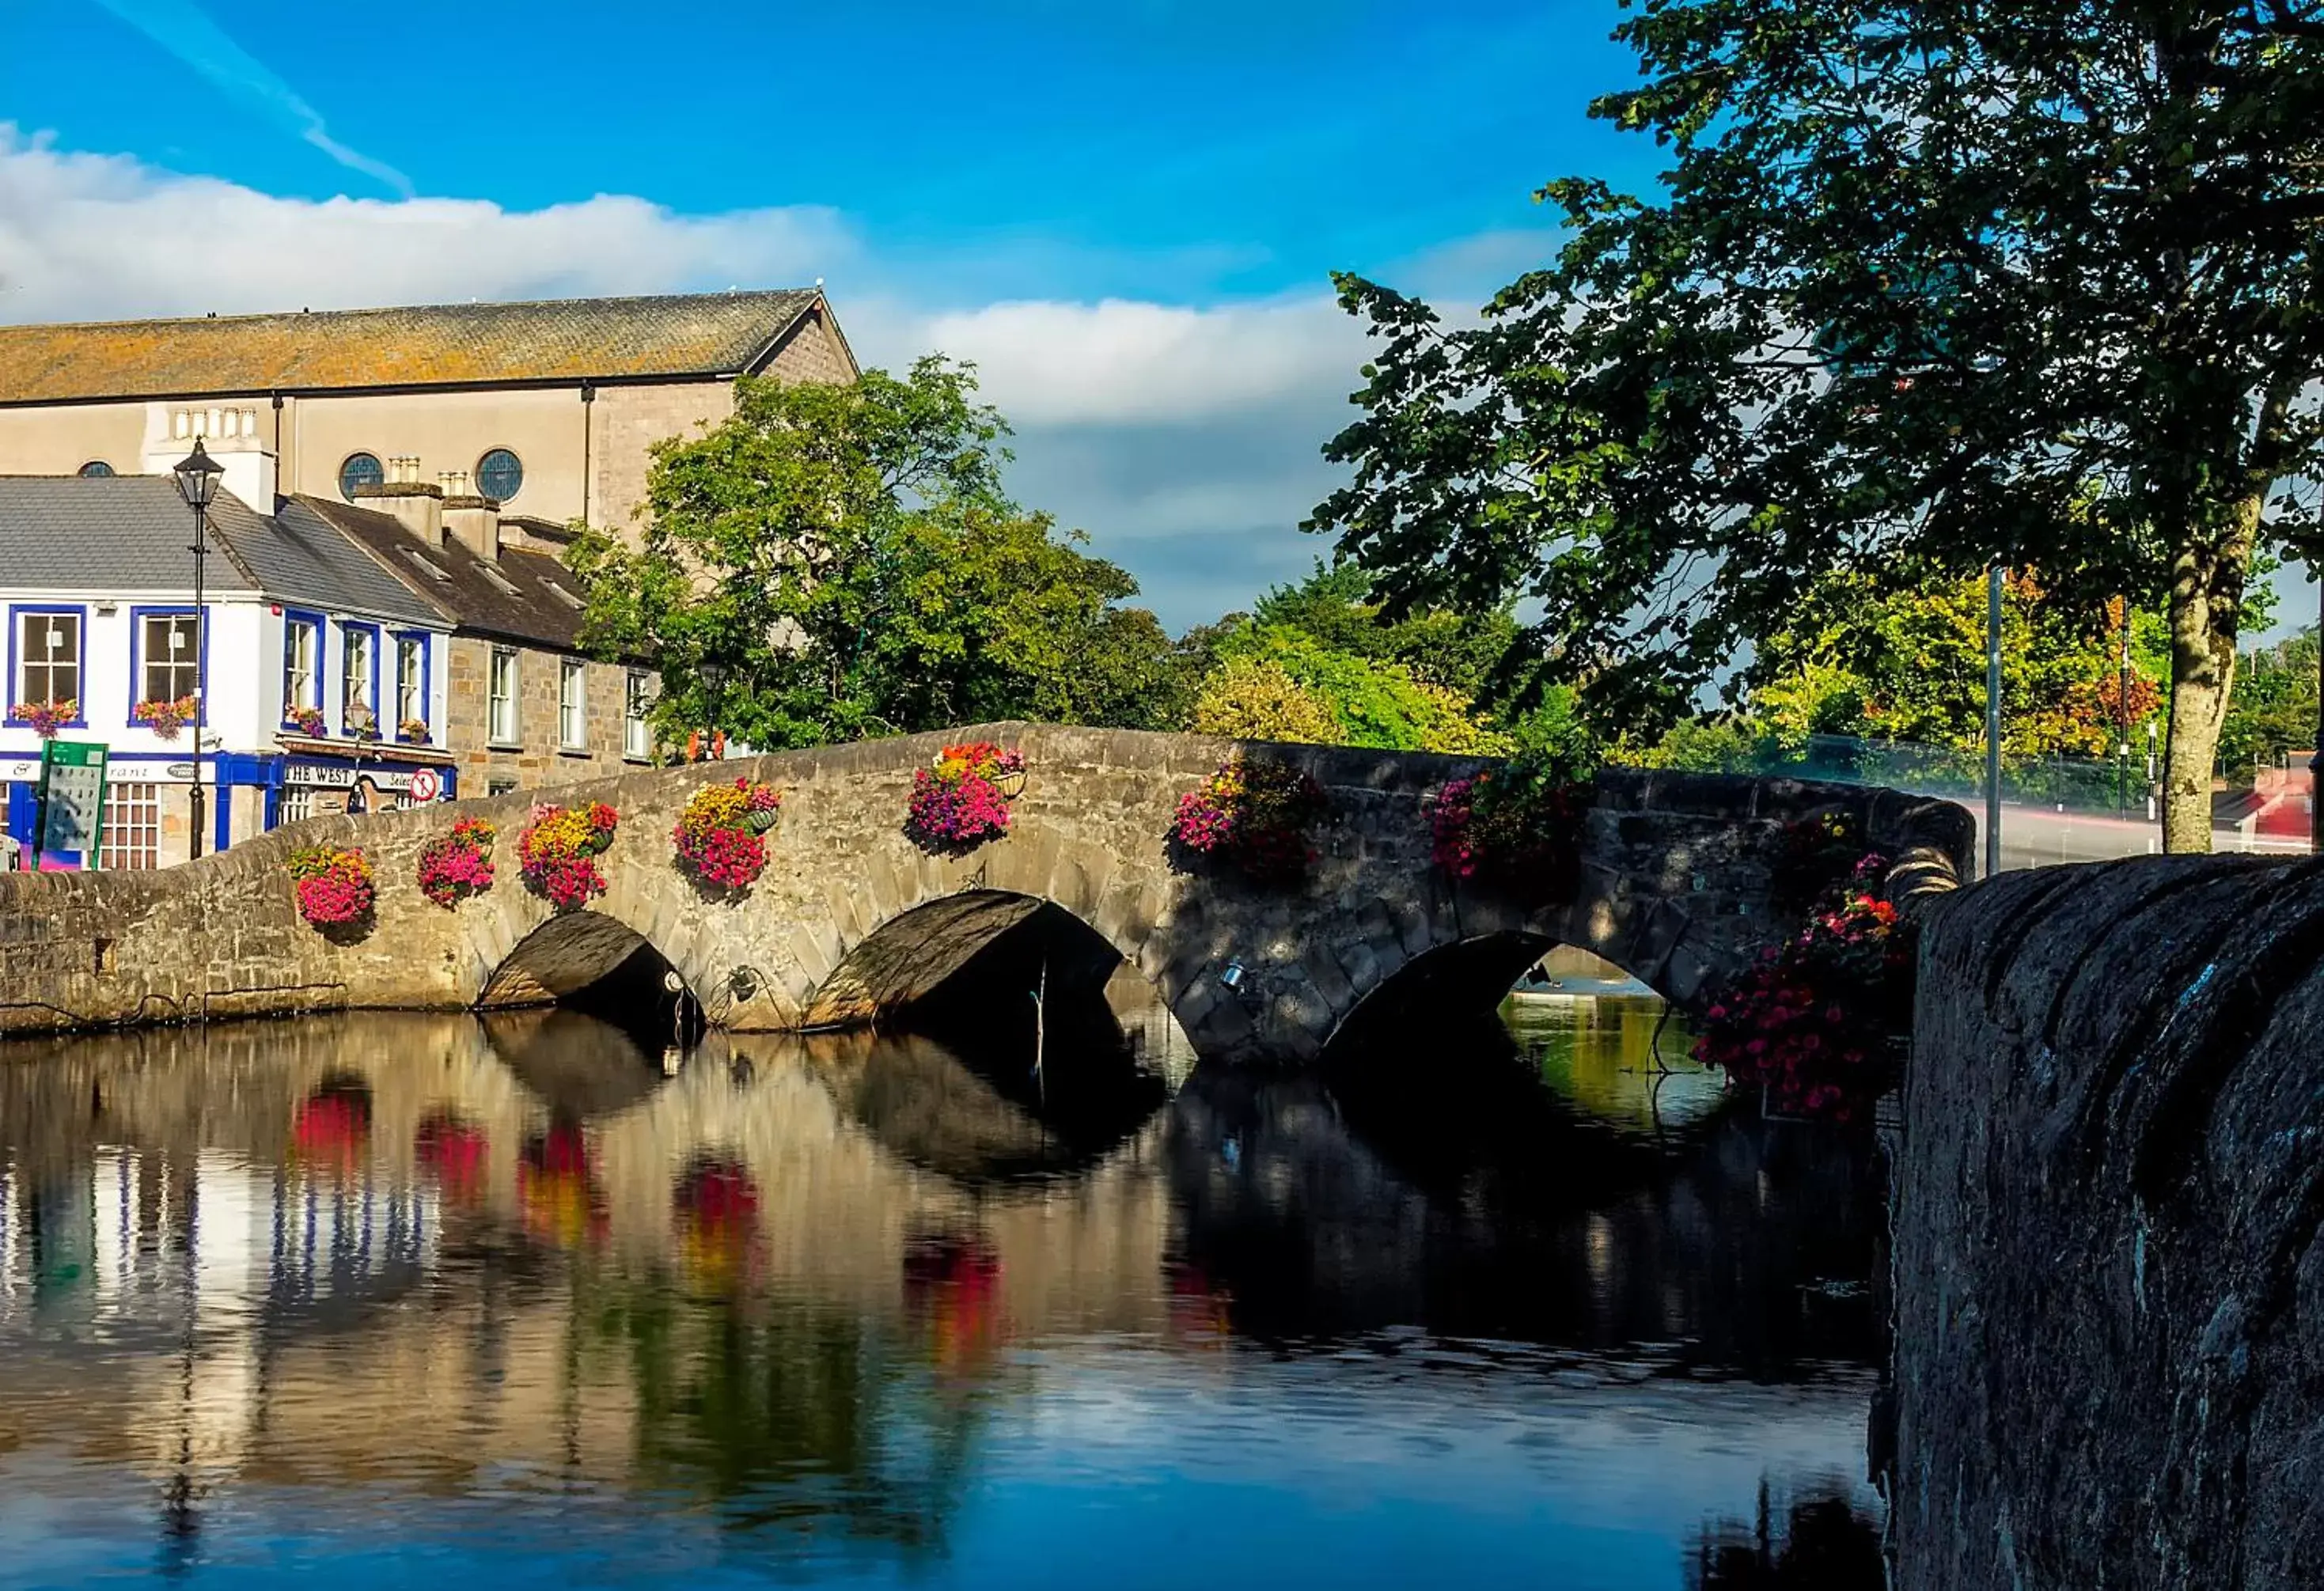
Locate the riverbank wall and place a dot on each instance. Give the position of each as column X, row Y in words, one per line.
column 2108, row 1277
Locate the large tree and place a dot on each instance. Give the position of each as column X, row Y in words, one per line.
column 1928, row 284
column 836, row 561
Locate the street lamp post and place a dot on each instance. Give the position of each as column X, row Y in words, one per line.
column 197, row 481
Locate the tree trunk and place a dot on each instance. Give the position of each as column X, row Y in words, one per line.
column 2206, row 594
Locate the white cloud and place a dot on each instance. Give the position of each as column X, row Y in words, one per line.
column 1183, row 438
column 1114, row 362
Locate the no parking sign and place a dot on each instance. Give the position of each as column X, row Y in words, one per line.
column 427, row 784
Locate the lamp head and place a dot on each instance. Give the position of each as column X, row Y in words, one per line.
column 198, row 476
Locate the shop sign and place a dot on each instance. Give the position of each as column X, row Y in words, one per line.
column 325, row 777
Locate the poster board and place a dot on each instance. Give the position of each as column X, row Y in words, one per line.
column 72, row 800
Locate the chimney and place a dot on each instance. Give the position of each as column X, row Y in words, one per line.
column 417, row 505
column 473, row 520
column 231, row 436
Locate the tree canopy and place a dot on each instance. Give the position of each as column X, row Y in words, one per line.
column 838, row 561
column 1928, row 285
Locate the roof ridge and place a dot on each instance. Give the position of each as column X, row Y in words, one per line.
column 246, row 316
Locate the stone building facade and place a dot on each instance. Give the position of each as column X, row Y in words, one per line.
column 551, row 407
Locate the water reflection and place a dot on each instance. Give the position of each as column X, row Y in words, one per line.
column 504, row 1292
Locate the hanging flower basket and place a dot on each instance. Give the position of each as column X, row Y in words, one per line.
column 1814, row 855
column 1813, row 1021
column 1512, row 827
column 334, row 884
column 45, row 717
column 309, row 721
column 717, row 835
column 961, row 802
column 455, row 866
column 165, row 719
column 559, row 852
column 1254, row 814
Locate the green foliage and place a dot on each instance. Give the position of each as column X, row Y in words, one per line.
column 2274, row 707
column 1372, row 702
column 833, row 562
column 1722, row 745
column 1256, row 699
column 1334, row 606
column 1928, row 285
column 1857, row 658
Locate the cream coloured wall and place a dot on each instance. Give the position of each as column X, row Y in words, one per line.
column 57, row 441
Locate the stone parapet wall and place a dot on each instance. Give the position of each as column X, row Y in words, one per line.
column 2108, row 1277
column 1675, row 886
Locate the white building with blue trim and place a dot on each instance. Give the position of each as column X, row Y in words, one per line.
column 324, row 672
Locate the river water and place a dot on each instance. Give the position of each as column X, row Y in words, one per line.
column 403, row 1300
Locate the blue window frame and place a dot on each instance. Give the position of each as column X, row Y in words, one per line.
column 302, row 662
column 52, row 656
column 359, row 469
column 414, row 682
column 359, row 677
column 149, row 672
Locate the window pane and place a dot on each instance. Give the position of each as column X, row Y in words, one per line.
column 170, row 674
column 132, row 827
column 502, row 688
column 572, row 709
column 411, row 698
column 637, row 739
column 49, row 645
column 298, row 667
column 355, row 652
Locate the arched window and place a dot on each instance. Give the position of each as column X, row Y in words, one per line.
column 96, row 467
column 500, row 474
column 361, row 469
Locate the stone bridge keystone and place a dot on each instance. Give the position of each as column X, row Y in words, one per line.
column 850, row 920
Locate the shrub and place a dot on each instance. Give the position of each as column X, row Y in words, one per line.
column 1253, row 813
column 959, row 803
column 1812, row 1022
column 334, row 884
column 717, row 834
column 559, row 852
column 457, row 864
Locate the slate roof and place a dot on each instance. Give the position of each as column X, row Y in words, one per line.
column 461, row 585
column 565, row 339
column 84, row 536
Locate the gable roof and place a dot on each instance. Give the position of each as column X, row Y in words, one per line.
column 85, row 536
column 461, row 585
column 563, row 340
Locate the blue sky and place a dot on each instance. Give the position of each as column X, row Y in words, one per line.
column 1128, row 213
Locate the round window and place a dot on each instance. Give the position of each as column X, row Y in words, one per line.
column 361, row 469
column 500, row 474
column 96, row 467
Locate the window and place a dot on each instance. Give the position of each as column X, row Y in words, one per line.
column 573, row 706
column 637, row 735
column 48, row 658
column 358, row 676
column 167, row 652
column 500, row 474
column 501, row 697
column 300, row 685
column 132, row 827
column 410, row 680
column 428, row 566
column 506, row 586
column 298, row 802
column 360, row 469
column 500, row 786
column 96, row 467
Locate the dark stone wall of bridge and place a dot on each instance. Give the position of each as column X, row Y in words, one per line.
column 2109, row 1233
column 850, row 920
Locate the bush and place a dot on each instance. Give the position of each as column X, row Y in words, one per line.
column 1252, row 699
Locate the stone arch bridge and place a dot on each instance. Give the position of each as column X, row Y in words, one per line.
column 850, row 921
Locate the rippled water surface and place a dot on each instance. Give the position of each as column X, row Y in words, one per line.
column 403, row 1300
